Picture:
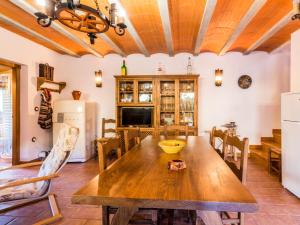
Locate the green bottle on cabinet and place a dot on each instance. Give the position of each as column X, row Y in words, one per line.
column 124, row 69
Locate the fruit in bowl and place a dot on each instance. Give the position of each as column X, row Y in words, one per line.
column 172, row 146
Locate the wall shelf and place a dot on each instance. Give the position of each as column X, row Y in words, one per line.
column 50, row 85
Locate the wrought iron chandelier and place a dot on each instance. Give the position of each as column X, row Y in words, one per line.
column 296, row 8
column 81, row 17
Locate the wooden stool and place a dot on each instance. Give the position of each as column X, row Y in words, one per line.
column 274, row 160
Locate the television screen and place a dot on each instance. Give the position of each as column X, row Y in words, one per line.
column 136, row 116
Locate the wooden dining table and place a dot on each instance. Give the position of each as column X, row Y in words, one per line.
column 141, row 179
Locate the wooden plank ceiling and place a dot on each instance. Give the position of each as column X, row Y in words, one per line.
column 164, row 26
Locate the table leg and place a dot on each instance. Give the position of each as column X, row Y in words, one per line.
column 242, row 218
column 105, row 215
column 208, row 217
column 235, row 158
column 123, row 216
column 269, row 160
column 170, row 216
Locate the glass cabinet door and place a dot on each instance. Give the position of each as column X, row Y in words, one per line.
column 145, row 92
column 187, row 101
column 126, row 91
column 167, row 103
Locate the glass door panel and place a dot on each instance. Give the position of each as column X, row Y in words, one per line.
column 167, row 103
column 5, row 115
column 145, row 91
column 187, row 101
column 126, row 91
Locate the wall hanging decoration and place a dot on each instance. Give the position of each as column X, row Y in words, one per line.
column 46, row 71
column 53, row 86
column 80, row 17
column 45, row 114
column 244, row 81
column 218, row 77
column 98, row 78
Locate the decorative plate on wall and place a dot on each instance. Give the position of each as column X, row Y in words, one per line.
column 245, row 81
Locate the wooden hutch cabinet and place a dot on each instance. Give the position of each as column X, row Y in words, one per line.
column 170, row 99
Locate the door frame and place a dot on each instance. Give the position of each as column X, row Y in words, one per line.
column 15, row 109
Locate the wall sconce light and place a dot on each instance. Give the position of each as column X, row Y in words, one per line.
column 98, row 78
column 218, row 77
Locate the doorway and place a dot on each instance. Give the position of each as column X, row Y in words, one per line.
column 6, row 117
column 9, row 114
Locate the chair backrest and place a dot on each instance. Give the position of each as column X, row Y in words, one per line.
column 132, row 137
column 242, row 145
column 105, row 149
column 60, row 153
column 221, row 135
column 176, row 130
column 108, row 128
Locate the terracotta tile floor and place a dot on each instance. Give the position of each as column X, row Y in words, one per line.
column 276, row 205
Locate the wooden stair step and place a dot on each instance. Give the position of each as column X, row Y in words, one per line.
column 277, row 138
column 270, row 144
column 259, row 153
column 276, row 131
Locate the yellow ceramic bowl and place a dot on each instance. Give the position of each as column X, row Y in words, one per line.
column 171, row 146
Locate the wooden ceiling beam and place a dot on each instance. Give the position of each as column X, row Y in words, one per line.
column 284, row 21
column 132, row 30
column 278, row 49
column 165, row 18
column 25, row 29
column 208, row 12
column 31, row 10
column 112, row 44
column 254, row 9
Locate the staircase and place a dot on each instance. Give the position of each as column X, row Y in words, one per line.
column 266, row 143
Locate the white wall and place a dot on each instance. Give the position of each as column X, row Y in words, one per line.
column 295, row 59
column 29, row 55
column 256, row 110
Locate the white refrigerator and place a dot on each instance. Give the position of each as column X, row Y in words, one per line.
column 79, row 114
column 290, row 125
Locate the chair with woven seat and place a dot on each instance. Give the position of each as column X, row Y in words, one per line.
column 16, row 193
column 104, row 149
column 239, row 170
column 176, row 130
column 220, row 135
column 109, row 128
column 132, row 137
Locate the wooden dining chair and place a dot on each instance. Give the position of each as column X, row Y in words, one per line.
column 169, row 131
column 176, row 130
column 104, row 150
column 239, row 170
column 108, row 128
column 132, row 137
column 216, row 134
column 275, row 161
